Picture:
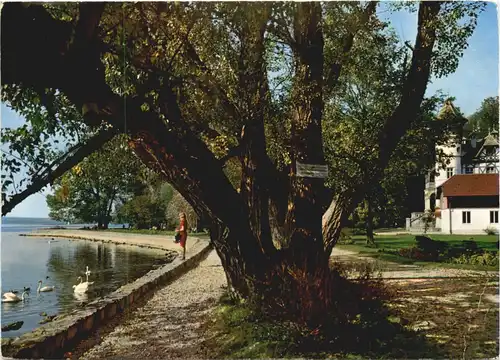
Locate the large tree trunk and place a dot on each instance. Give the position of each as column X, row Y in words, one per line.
column 306, row 243
column 253, row 89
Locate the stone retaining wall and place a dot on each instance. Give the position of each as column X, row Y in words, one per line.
column 52, row 340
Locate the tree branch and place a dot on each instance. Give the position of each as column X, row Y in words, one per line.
column 89, row 16
column 211, row 82
column 233, row 152
column 333, row 73
column 67, row 162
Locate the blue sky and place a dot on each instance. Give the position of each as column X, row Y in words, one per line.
column 475, row 79
column 477, row 74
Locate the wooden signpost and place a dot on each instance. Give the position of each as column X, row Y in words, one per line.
column 312, row 170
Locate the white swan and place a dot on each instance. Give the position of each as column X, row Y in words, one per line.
column 82, row 287
column 10, row 294
column 44, row 288
column 10, row 297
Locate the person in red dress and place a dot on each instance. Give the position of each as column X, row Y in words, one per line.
column 182, row 229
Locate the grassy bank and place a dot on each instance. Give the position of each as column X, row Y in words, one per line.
column 392, row 243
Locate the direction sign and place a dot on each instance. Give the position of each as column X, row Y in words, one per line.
column 312, row 170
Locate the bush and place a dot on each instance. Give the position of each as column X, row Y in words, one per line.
column 490, row 230
column 470, row 246
column 431, row 248
column 485, row 259
column 413, row 253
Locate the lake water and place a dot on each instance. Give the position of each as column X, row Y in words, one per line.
column 26, row 260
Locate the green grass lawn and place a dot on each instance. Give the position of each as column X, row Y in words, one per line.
column 396, row 242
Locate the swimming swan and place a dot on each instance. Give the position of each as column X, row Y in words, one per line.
column 82, row 287
column 11, row 297
column 45, row 288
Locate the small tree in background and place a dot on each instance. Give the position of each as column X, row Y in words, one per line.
column 485, row 118
column 142, row 213
column 148, row 208
column 92, row 189
column 177, row 205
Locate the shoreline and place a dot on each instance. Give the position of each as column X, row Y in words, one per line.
column 160, row 242
column 66, row 330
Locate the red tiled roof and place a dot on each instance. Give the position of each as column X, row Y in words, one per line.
column 471, row 185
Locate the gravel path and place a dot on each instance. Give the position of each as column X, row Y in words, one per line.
column 168, row 326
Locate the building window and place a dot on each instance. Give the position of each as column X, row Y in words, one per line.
column 449, row 172
column 494, row 217
column 465, row 217
column 490, row 170
column 469, row 170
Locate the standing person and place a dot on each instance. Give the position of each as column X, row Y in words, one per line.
column 183, row 226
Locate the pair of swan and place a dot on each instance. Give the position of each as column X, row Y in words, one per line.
column 83, row 287
column 12, row 296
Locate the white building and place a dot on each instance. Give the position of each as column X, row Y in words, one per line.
column 463, row 195
column 468, row 204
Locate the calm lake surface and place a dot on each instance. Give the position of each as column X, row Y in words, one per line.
column 26, row 260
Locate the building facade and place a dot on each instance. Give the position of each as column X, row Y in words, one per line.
column 468, row 204
column 463, row 195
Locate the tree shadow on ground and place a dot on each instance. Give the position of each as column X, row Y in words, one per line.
column 355, row 323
